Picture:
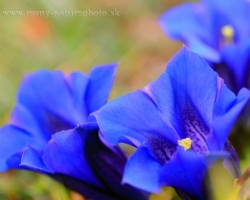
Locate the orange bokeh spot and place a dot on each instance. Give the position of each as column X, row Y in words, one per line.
column 35, row 28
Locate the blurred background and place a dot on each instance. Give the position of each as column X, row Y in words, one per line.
column 131, row 37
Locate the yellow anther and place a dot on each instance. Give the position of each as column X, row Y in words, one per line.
column 185, row 143
column 228, row 32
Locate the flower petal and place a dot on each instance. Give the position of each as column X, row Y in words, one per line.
column 23, row 119
column 227, row 108
column 78, row 85
column 101, row 79
column 142, row 171
column 48, row 103
column 12, row 140
column 186, row 170
column 65, row 154
column 108, row 165
column 187, row 70
column 133, row 115
column 32, row 159
column 188, row 23
column 236, row 57
column 189, row 28
column 200, row 47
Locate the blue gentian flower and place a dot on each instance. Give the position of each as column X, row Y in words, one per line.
column 50, row 102
column 179, row 124
column 210, row 29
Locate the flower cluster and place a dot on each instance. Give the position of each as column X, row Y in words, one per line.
column 63, row 127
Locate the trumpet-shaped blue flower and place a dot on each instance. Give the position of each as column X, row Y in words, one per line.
column 218, row 31
column 180, row 124
column 50, row 102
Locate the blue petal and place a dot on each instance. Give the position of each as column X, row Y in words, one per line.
column 227, row 108
column 180, row 26
column 142, row 171
column 188, row 27
column 186, row 171
column 78, row 84
column 32, row 159
column 193, row 82
column 12, row 140
column 65, row 154
column 48, row 103
column 13, row 162
column 203, row 49
column 23, row 119
column 133, row 117
column 237, row 57
column 108, row 165
column 101, row 79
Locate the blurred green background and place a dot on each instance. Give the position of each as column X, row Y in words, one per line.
column 68, row 43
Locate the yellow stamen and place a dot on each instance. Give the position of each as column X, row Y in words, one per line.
column 228, row 32
column 185, row 143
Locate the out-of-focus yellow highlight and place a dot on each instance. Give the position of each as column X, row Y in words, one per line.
column 228, row 33
column 185, row 143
